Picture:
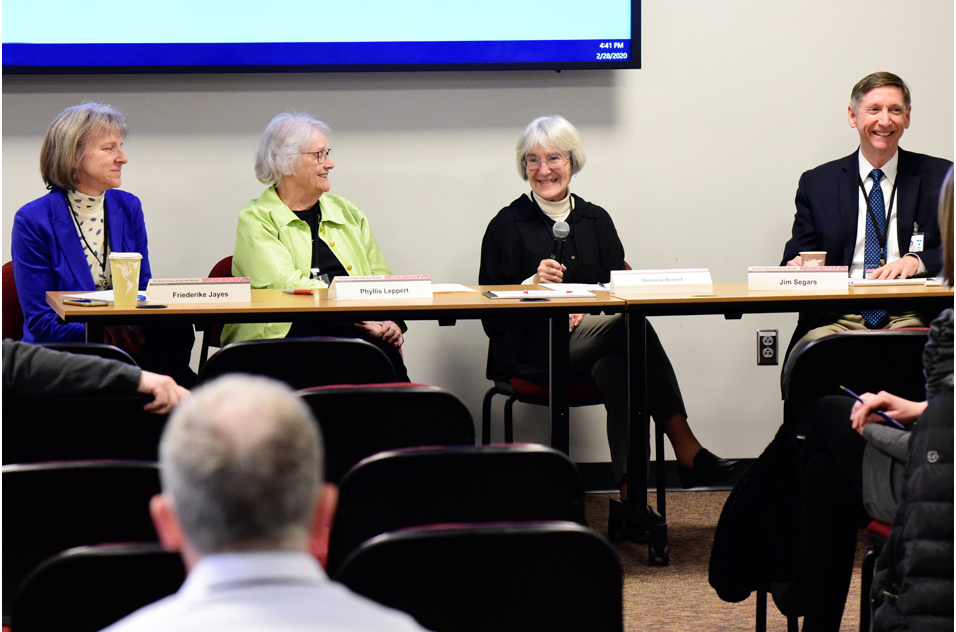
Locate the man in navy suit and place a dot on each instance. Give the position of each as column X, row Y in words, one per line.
column 837, row 207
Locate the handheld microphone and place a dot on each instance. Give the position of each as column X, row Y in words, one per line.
column 560, row 231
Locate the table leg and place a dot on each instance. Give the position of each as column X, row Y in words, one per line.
column 635, row 519
column 558, row 385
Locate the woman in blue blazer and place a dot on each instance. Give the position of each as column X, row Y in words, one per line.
column 61, row 241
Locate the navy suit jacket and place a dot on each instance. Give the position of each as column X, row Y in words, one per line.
column 828, row 200
column 48, row 256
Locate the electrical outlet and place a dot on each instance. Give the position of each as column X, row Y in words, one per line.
column 766, row 347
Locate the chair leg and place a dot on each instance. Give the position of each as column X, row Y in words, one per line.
column 486, row 416
column 761, row 622
column 661, row 483
column 510, row 420
column 866, row 584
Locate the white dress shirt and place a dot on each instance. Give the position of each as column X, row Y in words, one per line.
column 892, row 242
column 281, row 591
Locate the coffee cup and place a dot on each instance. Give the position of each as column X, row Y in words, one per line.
column 813, row 258
column 124, row 267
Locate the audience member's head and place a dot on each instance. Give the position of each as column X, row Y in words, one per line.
column 241, row 470
column 946, row 227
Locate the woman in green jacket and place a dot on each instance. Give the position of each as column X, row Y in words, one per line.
column 298, row 235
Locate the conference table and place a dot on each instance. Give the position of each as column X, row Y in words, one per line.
column 635, row 518
column 444, row 307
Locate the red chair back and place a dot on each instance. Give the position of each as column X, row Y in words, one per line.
column 212, row 333
column 12, row 314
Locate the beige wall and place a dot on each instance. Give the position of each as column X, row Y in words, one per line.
column 696, row 156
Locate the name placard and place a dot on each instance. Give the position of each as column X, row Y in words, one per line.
column 683, row 280
column 380, row 287
column 796, row 279
column 215, row 290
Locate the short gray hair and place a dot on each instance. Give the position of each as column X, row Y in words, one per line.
column 286, row 136
column 550, row 131
column 65, row 142
column 241, row 462
column 878, row 80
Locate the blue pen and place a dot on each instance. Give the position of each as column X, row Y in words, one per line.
column 882, row 414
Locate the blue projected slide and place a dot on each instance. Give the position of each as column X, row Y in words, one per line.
column 251, row 35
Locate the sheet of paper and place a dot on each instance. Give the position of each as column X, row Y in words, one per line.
column 451, row 287
column 102, row 295
column 575, row 287
column 864, row 282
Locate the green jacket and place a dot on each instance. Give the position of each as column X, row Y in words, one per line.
column 274, row 249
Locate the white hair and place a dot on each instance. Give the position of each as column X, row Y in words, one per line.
column 552, row 132
column 241, row 461
column 286, row 136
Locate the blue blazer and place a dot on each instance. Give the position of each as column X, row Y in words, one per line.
column 48, row 256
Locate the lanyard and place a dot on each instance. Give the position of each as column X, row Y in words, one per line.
column 106, row 232
column 883, row 235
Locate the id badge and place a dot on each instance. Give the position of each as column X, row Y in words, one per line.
column 916, row 242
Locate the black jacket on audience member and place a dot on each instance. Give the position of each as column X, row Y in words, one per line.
column 913, row 587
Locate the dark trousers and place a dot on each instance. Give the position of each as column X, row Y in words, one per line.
column 831, row 465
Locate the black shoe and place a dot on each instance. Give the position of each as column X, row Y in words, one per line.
column 708, row 469
column 788, row 597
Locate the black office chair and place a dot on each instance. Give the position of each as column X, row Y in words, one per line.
column 51, row 507
column 98, row 349
column 362, row 420
column 555, row 576
column 303, row 362
column 87, row 588
column 862, row 361
column 421, row 486
column 80, row 428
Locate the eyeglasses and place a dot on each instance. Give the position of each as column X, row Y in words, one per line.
column 320, row 155
column 554, row 161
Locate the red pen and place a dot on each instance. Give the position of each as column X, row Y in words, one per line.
column 305, row 292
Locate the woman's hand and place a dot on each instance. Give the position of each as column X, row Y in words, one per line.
column 902, row 410
column 387, row 330
column 574, row 320
column 549, row 271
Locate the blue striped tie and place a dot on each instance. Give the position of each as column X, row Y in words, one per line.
column 871, row 250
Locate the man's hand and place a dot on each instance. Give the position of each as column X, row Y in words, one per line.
column 902, row 410
column 549, row 271
column 167, row 394
column 796, row 261
column 574, row 320
column 901, row 268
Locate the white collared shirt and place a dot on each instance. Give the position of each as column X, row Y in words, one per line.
column 890, row 170
column 281, row 591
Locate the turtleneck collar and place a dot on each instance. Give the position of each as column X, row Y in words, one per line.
column 557, row 211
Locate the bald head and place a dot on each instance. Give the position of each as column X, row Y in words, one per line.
column 240, row 462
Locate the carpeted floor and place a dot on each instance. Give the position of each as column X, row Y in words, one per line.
column 677, row 596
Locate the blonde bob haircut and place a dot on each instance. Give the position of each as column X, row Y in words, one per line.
column 65, row 142
column 285, row 137
column 553, row 132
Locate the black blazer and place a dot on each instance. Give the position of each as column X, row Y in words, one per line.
column 516, row 241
